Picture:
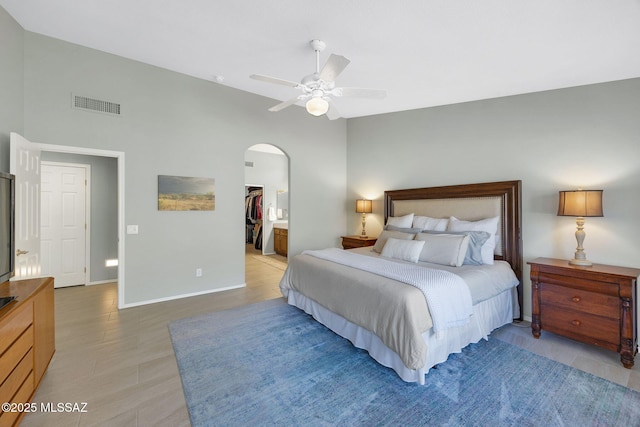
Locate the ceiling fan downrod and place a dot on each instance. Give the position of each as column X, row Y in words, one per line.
column 318, row 46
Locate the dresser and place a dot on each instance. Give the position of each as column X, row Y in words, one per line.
column 350, row 242
column 596, row 305
column 27, row 342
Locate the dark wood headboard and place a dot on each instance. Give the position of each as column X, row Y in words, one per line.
column 509, row 195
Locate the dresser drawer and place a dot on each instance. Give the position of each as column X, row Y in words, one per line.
column 581, row 326
column 21, row 376
column 13, row 326
column 581, row 301
column 14, row 354
column 22, row 396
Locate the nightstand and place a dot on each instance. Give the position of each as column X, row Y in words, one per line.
column 350, row 242
column 595, row 305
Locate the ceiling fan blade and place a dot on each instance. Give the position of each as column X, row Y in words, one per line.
column 274, row 80
column 333, row 112
column 286, row 104
column 356, row 92
column 333, row 67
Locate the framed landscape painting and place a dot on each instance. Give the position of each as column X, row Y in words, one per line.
column 181, row 193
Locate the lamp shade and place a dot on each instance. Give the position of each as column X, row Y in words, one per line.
column 580, row 203
column 364, row 206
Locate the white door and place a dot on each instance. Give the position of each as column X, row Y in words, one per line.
column 24, row 163
column 63, row 223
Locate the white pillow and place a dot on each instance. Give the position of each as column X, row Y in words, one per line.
column 490, row 225
column 382, row 238
column 431, row 224
column 406, row 250
column 445, row 249
column 401, row 221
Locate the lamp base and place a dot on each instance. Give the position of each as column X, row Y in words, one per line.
column 581, row 262
column 580, row 257
column 363, row 235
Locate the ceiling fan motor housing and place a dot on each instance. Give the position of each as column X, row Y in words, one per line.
column 310, row 79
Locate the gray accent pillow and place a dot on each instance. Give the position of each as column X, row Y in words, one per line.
column 402, row 229
column 476, row 240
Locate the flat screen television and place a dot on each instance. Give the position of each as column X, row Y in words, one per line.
column 7, row 226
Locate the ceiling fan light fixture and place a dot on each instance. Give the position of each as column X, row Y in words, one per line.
column 317, row 106
column 320, row 88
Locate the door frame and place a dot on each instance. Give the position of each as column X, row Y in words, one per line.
column 119, row 155
column 87, row 211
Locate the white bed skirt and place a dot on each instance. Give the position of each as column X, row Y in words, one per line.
column 487, row 316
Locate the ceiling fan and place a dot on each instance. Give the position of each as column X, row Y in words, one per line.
column 319, row 88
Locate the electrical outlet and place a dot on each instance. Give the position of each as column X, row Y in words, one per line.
column 198, row 272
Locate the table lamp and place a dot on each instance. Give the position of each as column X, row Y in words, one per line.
column 581, row 204
column 364, row 207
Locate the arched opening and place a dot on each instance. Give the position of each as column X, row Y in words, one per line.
column 267, row 210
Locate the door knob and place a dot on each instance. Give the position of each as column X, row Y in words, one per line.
column 20, row 252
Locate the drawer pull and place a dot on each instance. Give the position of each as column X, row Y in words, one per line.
column 576, row 322
column 576, row 299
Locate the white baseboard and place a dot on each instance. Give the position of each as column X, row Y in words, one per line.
column 194, row 294
column 102, row 282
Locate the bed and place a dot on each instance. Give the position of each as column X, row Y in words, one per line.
column 410, row 307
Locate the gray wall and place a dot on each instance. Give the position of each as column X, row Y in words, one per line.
column 585, row 137
column 104, row 211
column 172, row 124
column 11, row 83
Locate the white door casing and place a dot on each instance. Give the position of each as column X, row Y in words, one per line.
column 63, row 222
column 121, row 183
column 24, row 163
column 120, row 156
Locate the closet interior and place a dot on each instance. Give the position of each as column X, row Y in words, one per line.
column 253, row 216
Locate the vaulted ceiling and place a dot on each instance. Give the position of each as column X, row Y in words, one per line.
column 422, row 52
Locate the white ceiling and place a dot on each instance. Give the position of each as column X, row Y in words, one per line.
column 423, row 52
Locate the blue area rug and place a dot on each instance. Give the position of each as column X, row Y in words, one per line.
column 272, row 364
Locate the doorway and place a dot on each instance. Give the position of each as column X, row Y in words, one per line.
column 266, row 204
column 118, row 183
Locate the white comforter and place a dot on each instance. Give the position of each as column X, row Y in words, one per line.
column 398, row 314
column 447, row 295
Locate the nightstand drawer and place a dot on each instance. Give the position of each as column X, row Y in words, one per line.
column 351, row 242
column 581, row 301
column 599, row 287
column 578, row 325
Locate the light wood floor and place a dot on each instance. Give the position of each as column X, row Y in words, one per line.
column 122, row 362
